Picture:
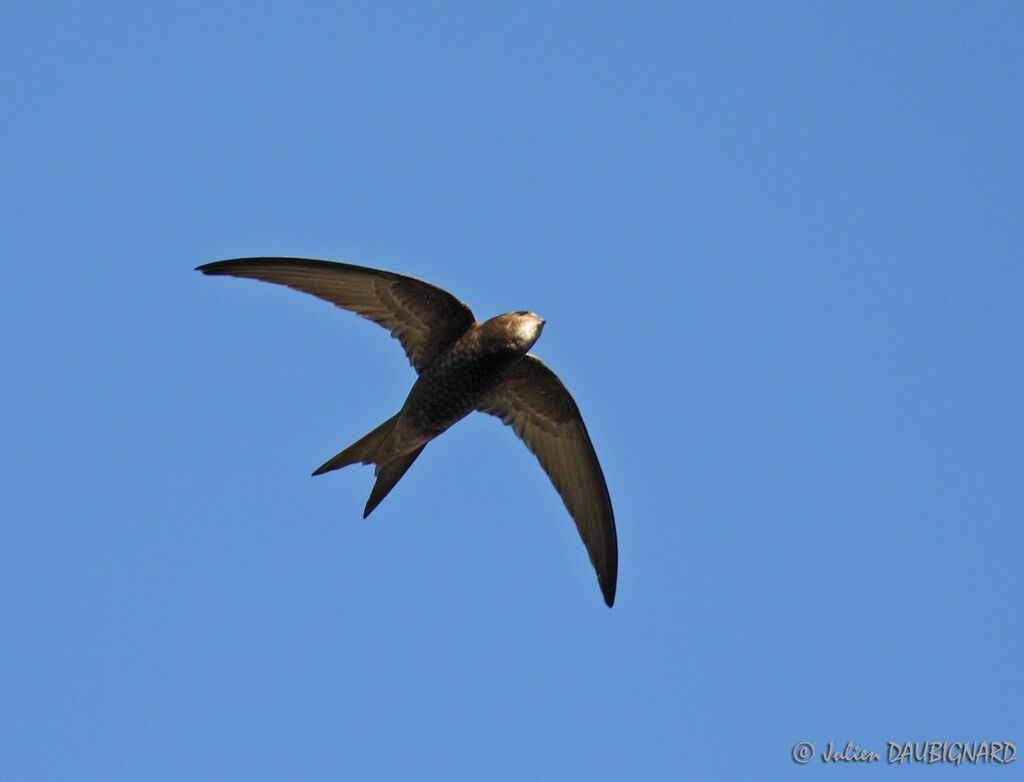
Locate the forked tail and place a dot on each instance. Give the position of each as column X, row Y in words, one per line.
column 365, row 450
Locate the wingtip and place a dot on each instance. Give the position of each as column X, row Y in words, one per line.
column 608, row 587
column 210, row 268
column 609, row 599
column 232, row 265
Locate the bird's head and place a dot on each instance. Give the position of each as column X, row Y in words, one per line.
column 515, row 330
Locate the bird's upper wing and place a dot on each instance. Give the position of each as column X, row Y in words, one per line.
column 424, row 318
column 535, row 403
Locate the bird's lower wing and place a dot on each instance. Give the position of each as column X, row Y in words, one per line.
column 535, row 403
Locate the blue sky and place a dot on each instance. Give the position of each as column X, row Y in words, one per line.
column 778, row 248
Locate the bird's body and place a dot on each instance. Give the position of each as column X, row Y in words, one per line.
column 452, row 385
column 463, row 366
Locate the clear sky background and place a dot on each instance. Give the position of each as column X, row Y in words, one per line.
column 779, row 251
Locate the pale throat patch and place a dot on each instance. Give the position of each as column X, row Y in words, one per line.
column 529, row 330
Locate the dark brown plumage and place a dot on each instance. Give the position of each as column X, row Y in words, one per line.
column 463, row 366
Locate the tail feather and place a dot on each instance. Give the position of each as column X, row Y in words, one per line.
column 361, row 450
column 388, row 474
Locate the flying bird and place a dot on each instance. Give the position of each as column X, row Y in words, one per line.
column 462, row 365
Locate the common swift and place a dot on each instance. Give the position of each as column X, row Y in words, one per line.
column 462, row 365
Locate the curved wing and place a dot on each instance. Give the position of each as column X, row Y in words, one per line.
column 423, row 317
column 535, row 403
